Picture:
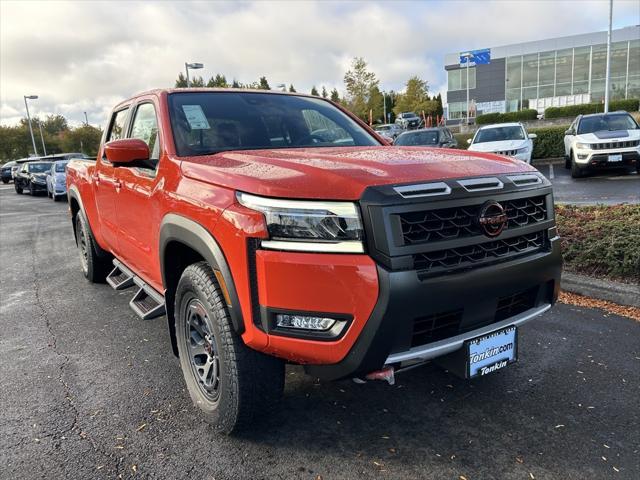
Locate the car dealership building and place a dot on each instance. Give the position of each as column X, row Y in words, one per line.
column 555, row 72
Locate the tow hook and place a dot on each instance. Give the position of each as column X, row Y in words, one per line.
column 386, row 374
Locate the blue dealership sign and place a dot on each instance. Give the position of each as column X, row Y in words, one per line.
column 476, row 57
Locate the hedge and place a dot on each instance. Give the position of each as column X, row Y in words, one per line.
column 528, row 114
column 629, row 105
column 601, row 241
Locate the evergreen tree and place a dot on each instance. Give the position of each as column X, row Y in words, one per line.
column 439, row 109
column 359, row 82
column 416, row 98
column 219, row 81
column 335, row 96
column 324, row 92
column 263, row 84
column 291, row 89
column 181, row 82
column 314, row 91
column 236, row 84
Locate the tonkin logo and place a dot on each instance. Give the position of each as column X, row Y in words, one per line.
column 492, row 218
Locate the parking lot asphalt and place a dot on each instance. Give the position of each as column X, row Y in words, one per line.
column 606, row 187
column 87, row 390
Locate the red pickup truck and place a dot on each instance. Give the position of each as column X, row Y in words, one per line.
column 274, row 228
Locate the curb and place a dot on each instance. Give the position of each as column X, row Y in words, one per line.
column 616, row 292
column 547, row 161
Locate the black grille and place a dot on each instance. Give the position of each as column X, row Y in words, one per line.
column 460, row 222
column 612, row 145
column 515, row 304
column 508, row 153
column 436, row 327
column 474, row 255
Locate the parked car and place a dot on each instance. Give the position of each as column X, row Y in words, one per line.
column 19, row 163
column 5, row 171
column 428, row 137
column 57, row 180
column 510, row 139
column 408, row 120
column 264, row 244
column 32, row 176
column 389, row 131
column 602, row 140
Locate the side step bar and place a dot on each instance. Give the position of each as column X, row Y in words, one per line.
column 147, row 302
column 120, row 277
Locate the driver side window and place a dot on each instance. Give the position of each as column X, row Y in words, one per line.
column 145, row 128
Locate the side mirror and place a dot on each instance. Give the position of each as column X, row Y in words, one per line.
column 569, row 132
column 126, row 150
column 469, row 141
column 532, row 136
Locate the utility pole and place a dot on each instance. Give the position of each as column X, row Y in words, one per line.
column 607, row 79
column 33, row 140
column 86, row 119
column 384, row 106
column 42, row 139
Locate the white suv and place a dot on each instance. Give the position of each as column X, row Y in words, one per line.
column 602, row 140
column 509, row 139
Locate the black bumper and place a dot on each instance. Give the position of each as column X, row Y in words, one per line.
column 37, row 187
column 601, row 161
column 5, row 175
column 408, row 306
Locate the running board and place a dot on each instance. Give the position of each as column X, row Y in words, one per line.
column 120, row 277
column 147, row 303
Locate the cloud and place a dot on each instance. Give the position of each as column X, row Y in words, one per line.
column 86, row 56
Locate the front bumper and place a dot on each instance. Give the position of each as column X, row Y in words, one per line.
column 6, row 175
column 600, row 158
column 477, row 297
column 37, row 187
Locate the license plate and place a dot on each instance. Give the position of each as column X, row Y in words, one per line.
column 492, row 352
column 617, row 157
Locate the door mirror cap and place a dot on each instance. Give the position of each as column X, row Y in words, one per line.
column 126, row 150
column 469, row 141
column 569, row 132
column 532, row 136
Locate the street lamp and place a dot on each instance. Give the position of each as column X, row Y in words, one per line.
column 282, row 86
column 42, row 138
column 192, row 66
column 607, row 82
column 33, row 140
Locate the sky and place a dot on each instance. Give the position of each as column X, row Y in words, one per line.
column 85, row 56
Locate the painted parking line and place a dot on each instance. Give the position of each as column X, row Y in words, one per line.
column 551, row 176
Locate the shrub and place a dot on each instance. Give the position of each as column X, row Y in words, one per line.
column 549, row 142
column 629, row 105
column 462, row 139
column 528, row 114
column 601, row 241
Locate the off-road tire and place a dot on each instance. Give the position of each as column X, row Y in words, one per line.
column 249, row 382
column 94, row 267
column 576, row 171
column 18, row 189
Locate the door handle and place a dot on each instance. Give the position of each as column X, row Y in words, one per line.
column 117, row 184
column 96, row 179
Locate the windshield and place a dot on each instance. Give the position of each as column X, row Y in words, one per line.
column 607, row 122
column 418, row 138
column 381, row 128
column 499, row 134
column 39, row 167
column 408, row 115
column 60, row 166
column 211, row 122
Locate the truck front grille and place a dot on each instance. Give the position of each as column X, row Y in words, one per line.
column 479, row 253
column 459, row 222
column 614, row 145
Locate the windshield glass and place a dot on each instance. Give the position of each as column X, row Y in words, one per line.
column 60, row 166
column 607, row 122
column 408, row 115
column 39, row 167
column 499, row 134
column 381, row 128
column 418, row 138
column 205, row 123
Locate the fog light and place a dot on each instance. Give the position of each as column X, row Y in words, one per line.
column 303, row 322
column 582, row 156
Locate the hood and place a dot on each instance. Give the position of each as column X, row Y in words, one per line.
column 39, row 176
column 340, row 173
column 609, row 136
column 500, row 146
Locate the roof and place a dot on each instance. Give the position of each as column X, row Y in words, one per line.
column 508, row 124
column 617, row 112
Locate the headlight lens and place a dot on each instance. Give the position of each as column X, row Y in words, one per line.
column 522, row 150
column 583, row 146
column 313, row 226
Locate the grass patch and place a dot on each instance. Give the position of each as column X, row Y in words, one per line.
column 601, row 241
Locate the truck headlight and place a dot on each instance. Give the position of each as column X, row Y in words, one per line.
column 522, row 150
column 307, row 225
column 583, row 146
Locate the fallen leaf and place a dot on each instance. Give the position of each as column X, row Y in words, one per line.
column 134, row 468
column 519, row 459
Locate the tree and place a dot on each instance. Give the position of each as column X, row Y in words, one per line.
column 236, row 84
column 324, row 92
column 291, row 89
column 263, row 84
column 181, row 81
column 85, row 139
column 359, row 82
column 219, row 81
column 416, row 98
column 439, row 109
column 314, row 91
column 335, row 96
column 55, row 124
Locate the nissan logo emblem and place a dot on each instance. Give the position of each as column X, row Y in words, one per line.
column 492, row 218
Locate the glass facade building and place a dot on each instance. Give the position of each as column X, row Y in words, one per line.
column 556, row 72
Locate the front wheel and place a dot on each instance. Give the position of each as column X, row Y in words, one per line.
column 18, row 188
column 94, row 268
column 5, row 181
column 229, row 382
column 576, row 171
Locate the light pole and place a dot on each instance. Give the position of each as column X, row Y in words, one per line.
column 282, row 86
column 33, row 140
column 384, row 106
column 468, row 61
column 607, row 81
column 86, row 119
column 192, row 66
